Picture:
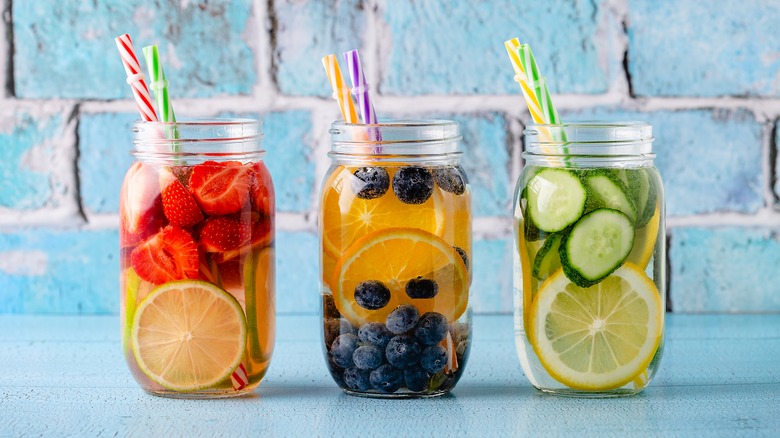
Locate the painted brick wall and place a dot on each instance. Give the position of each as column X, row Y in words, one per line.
column 709, row 82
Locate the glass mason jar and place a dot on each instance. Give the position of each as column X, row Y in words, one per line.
column 197, row 258
column 395, row 234
column 590, row 272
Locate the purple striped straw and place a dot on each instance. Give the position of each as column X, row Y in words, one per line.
column 360, row 91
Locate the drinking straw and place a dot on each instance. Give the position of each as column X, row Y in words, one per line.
column 360, row 87
column 340, row 88
column 135, row 78
column 520, row 77
column 538, row 84
column 361, row 91
column 158, row 84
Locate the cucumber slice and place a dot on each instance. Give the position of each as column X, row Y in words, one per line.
column 547, row 260
column 648, row 195
column 556, row 199
column 606, row 190
column 596, row 246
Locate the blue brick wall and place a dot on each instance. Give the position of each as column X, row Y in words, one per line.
column 703, row 73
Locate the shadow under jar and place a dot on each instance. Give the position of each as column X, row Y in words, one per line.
column 395, row 235
column 197, row 258
column 589, row 259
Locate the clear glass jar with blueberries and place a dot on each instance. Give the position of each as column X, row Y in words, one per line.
column 395, row 258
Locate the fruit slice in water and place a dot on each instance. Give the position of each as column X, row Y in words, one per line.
column 188, row 335
column 596, row 338
column 169, row 255
column 347, row 217
column 644, row 241
column 556, row 199
column 259, row 281
column 394, row 257
column 221, row 188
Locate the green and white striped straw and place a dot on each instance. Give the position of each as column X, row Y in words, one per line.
column 158, row 84
column 538, row 84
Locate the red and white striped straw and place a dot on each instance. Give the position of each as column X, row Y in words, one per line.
column 135, row 78
column 360, row 87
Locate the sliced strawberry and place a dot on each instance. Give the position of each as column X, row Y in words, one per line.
column 262, row 236
column 169, row 255
column 220, row 188
column 140, row 205
column 179, row 205
column 220, row 234
column 230, row 274
column 262, row 189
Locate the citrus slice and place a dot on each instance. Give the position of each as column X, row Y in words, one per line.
column 188, row 335
column 644, row 240
column 260, row 282
column 600, row 337
column 394, row 257
column 345, row 217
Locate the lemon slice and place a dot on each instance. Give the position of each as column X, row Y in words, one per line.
column 188, row 335
column 600, row 337
column 346, row 218
column 393, row 257
column 644, row 240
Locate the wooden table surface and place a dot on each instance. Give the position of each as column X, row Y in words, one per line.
column 65, row 376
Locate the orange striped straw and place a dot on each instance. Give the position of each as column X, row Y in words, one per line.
column 340, row 88
column 534, row 108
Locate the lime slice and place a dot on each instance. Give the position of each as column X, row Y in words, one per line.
column 188, row 335
column 600, row 337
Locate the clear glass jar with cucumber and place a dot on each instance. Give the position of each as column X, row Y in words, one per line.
column 590, row 272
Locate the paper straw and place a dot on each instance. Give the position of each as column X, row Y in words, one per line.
column 360, row 87
column 135, row 78
column 340, row 88
column 158, row 84
column 534, row 79
column 534, row 108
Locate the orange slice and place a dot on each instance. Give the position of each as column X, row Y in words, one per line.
column 346, row 218
column 394, row 256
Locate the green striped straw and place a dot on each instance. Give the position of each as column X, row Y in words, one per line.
column 538, row 84
column 159, row 86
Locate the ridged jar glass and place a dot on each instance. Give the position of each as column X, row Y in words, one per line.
column 197, row 258
column 395, row 234
column 589, row 259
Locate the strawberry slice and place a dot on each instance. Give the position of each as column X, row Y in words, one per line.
column 169, row 255
column 179, row 205
column 262, row 189
column 261, row 236
column 140, row 205
column 220, row 234
column 220, row 188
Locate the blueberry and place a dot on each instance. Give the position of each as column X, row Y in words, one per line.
column 342, row 349
column 432, row 328
column 357, row 379
column 386, row 378
column 375, row 333
column 372, row 295
column 421, row 288
column 402, row 319
column 416, row 378
column 370, row 182
column 451, row 179
column 413, row 185
column 462, row 253
column 433, row 359
column 403, row 351
column 367, row 357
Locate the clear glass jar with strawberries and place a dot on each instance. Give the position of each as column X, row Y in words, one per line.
column 197, row 258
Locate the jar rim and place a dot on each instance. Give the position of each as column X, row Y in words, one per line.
column 597, row 137
column 396, row 137
column 228, row 136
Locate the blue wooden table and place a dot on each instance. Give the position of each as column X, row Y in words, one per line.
column 64, row 376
